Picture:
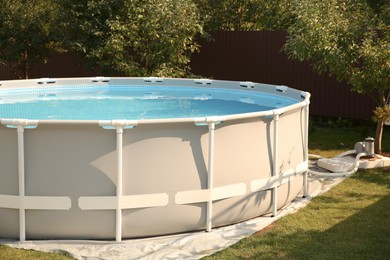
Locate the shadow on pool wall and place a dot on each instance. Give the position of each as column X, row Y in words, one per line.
column 175, row 176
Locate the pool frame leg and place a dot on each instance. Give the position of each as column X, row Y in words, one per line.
column 306, row 153
column 210, row 169
column 275, row 165
column 119, row 148
column 22, row 211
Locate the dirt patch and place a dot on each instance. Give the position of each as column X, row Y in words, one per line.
column 266, row 229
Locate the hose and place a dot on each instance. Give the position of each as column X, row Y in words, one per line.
column 315, row 156
column 338, row 174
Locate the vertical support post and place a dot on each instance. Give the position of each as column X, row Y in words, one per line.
column 119, row 150
column 22, row 211
column 275, row 166
column 210, row 176
column 306, row 154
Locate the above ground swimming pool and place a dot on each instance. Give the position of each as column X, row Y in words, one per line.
column 114, row 158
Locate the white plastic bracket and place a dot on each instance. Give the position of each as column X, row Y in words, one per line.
column 204, row 121
column 247, row 84
column 14, row 123
column 100, row 79
column 281, row 88
column 153, row 79
column 203, row 81
column 46, row 81
column 113, row 124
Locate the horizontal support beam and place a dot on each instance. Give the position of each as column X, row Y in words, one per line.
column 148, row 200
column 275, row 181
column 123, row 202
column 205, row 195
column 35, row 202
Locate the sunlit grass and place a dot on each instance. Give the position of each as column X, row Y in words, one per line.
column 351, row 221
column 9, row 253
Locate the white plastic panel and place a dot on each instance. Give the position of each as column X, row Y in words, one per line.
column 35, row 202
column 123, row 202
column 196, row 196
column 275, row 181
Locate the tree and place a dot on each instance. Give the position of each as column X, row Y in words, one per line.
column 249, row 15
column 349, row 39
column 28, row 34
column 135, row 38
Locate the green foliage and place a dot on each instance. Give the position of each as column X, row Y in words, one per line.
column 373, row 70
column 135, row 38
column 231, row 15
column 29, row 32
column 348, row 39
column 382, row 113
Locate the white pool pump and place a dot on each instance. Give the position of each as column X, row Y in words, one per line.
column 367, row 146
column 345, row 164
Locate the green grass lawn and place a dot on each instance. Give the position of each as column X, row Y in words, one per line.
column 351, row 221
column 335, row 136
column 9, row 253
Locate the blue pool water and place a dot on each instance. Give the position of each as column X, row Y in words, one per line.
column 131, row 102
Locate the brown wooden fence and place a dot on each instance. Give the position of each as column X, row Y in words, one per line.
column 243, row 56
column 258, row 57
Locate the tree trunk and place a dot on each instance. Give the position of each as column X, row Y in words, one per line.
column 25, row 69
column 382, row 101
column 378, row 137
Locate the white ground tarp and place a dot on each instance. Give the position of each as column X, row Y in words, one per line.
column 183, row 246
